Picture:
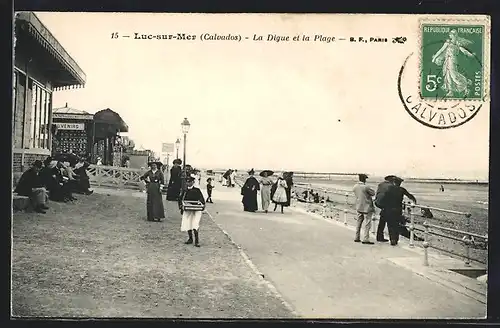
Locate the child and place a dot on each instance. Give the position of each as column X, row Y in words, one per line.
column 191, row 219
column 209, row 190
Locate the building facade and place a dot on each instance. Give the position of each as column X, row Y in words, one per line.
column 74, row 131
column 41, row 66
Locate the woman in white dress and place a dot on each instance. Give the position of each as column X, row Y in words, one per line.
column 191, row 219
column 265, row 190
column 279, row 196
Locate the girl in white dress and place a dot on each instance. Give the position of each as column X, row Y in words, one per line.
column 279, row 196
column 191, row 219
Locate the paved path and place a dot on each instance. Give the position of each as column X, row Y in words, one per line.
column 321, row 272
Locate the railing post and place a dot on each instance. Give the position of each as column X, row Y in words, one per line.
column 99, row 175
column 425, row 244
column 467, row 240
column 412, row 224
column 345, row 210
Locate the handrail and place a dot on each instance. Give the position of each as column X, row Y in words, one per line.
column 467, row 240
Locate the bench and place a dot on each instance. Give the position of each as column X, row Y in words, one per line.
column 20, row 203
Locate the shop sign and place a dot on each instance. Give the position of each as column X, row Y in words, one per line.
column 70, row 126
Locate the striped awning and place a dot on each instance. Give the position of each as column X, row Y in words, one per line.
column 36, row 28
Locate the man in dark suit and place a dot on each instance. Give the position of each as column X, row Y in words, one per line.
column 30, row 184
column 380, row 199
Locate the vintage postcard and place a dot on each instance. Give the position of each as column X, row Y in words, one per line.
column 250, row 165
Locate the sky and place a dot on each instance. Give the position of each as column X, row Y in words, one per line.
column 316, row 107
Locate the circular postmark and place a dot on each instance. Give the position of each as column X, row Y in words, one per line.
column 439, row 89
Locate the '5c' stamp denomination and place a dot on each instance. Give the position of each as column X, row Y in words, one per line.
column 451, row 61
column 444, row 83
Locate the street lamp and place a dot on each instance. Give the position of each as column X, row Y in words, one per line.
column 185, row 129
column 177, row 145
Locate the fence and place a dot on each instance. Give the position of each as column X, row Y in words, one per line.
column 121, row 177
column 339, row 205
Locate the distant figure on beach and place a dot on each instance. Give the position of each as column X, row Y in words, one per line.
column 364, row 208
column 265, row 190
column 249, row 193
column 227, row 178
column 441, row 188
column 279, row 196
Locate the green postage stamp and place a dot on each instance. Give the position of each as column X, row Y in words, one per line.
column 452, row 58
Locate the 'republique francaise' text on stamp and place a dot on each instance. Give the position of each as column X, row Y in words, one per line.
column 451, row 61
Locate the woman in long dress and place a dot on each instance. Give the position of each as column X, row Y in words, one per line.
column 265, row 191
column 289, row 184
column 447, row 58
column 154, row 203
column 279, row 196
column 174, row 184
column 191, row 219
column 249, row 193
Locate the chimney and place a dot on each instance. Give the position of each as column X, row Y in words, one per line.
column 66, row 105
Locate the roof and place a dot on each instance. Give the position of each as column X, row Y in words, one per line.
column 30, row 22
column 109, row 117
column 73, row 113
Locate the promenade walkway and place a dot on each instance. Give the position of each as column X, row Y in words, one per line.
column 98, row 257
column 318, row 269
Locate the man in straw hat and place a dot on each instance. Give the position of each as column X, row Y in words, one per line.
column 364, row 207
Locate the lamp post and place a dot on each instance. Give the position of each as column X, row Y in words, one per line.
column 177, row 145
column 185, row 129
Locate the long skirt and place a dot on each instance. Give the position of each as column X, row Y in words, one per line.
column 154, row 203
column 250, row 201
column 191, row 220
column 174, row 190
column 279, row 196
column 265, row 195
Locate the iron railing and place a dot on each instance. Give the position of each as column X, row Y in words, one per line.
column 469, row 240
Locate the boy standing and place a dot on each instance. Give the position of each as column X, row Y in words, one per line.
column 210, row 187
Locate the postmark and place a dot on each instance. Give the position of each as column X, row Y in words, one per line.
column 445, row 82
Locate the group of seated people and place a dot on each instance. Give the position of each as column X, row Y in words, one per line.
column 56, row 179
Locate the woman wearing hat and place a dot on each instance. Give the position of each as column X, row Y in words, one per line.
column 279, row 196
column 174, row 185
column 191, row 219
column 154, row 203
column 249, row 193
column 265, row 192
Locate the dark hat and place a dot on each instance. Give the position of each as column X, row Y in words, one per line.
column 252, row 171
column 177, row 161
column 38, row 164
column 158, row 163
column 362, row 176
column 393, row 178
column 390, row 178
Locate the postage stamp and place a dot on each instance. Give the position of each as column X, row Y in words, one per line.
column 452, row 61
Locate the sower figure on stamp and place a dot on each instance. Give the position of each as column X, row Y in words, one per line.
column 191, row 219
column 364, row 208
